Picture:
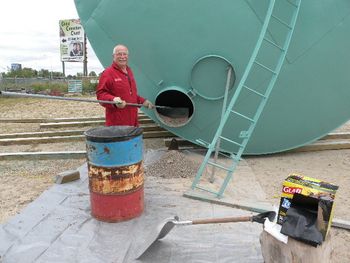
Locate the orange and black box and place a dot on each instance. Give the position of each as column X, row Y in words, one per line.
column 306, row 189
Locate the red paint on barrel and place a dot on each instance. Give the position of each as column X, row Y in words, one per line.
column 116, row 192
column 115, row 208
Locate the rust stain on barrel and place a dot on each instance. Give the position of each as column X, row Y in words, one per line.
column 106, row 150
column 116, row 180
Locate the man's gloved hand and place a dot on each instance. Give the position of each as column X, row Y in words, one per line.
column 148, row 104
column 119, row 102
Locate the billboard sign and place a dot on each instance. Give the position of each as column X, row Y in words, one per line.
column 71, row 40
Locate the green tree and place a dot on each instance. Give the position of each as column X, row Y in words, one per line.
column 21, row 73
column 44, row 73
column 92, row 74
column 57, row 74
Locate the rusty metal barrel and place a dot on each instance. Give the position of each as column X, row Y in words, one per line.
column 115, row 168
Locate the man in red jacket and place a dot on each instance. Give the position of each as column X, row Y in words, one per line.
column 117, row 84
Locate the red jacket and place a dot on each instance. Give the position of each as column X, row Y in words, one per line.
column 115, row 83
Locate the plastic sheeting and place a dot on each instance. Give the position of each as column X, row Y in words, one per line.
column 58, row 227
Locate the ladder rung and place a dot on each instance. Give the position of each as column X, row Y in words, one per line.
column 207, row 190
column 219, row 166
column 233, row 142
column 263, row 66
column 282, row 22
column 269, row 41
column 230, row 156
column 254, row 91
column 243, row 116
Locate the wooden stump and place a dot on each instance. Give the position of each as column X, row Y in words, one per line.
column 274, row 251
column 67, row 176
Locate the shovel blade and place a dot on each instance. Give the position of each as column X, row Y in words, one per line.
column 260, row 218
column 160, row 232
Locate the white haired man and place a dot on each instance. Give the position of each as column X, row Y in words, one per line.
column 117, row 84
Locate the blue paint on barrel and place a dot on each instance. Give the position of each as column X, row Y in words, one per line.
column 113, row 146
column 112, row 154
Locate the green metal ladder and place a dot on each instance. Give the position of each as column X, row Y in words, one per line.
column 243, row 139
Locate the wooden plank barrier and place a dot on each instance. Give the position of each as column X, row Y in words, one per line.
column 84, row 123
column 41, row 120
column 60, row 139
column 42, row 155
column 334, row 142
column 45, row 120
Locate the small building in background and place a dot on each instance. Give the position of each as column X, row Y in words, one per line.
column 16, row 66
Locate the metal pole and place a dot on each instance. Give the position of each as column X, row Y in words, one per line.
column 85, row 58
column 17, row 94
column 63, row 69
column 217, row 147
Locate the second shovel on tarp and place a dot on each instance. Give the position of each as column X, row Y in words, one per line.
column 168, row 224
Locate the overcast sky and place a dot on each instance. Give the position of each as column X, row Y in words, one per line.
column 29, row 35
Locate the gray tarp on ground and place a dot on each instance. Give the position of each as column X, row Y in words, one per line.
column 58, row 227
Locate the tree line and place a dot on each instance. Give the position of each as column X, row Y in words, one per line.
column 43, row 73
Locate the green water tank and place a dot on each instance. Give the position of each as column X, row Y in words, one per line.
column 180, row 51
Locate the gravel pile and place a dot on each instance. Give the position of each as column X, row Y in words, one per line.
column 173, row 164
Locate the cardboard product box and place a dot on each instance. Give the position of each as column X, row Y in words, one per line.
column 322, row 193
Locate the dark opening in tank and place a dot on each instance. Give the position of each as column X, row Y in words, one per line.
column 178, row 108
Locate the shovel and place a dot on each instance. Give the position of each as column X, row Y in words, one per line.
column 168, row 225
column 172, row 112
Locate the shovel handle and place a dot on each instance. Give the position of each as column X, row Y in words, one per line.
column 40, row 96
column 222, row 220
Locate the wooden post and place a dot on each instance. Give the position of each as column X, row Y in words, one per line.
column 275, row 251
column 67, row 176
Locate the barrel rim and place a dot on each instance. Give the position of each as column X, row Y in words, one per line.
column 129, row 132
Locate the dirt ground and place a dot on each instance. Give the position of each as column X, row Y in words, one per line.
column 23, row 181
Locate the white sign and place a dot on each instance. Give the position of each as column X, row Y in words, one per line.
column 71, row 40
